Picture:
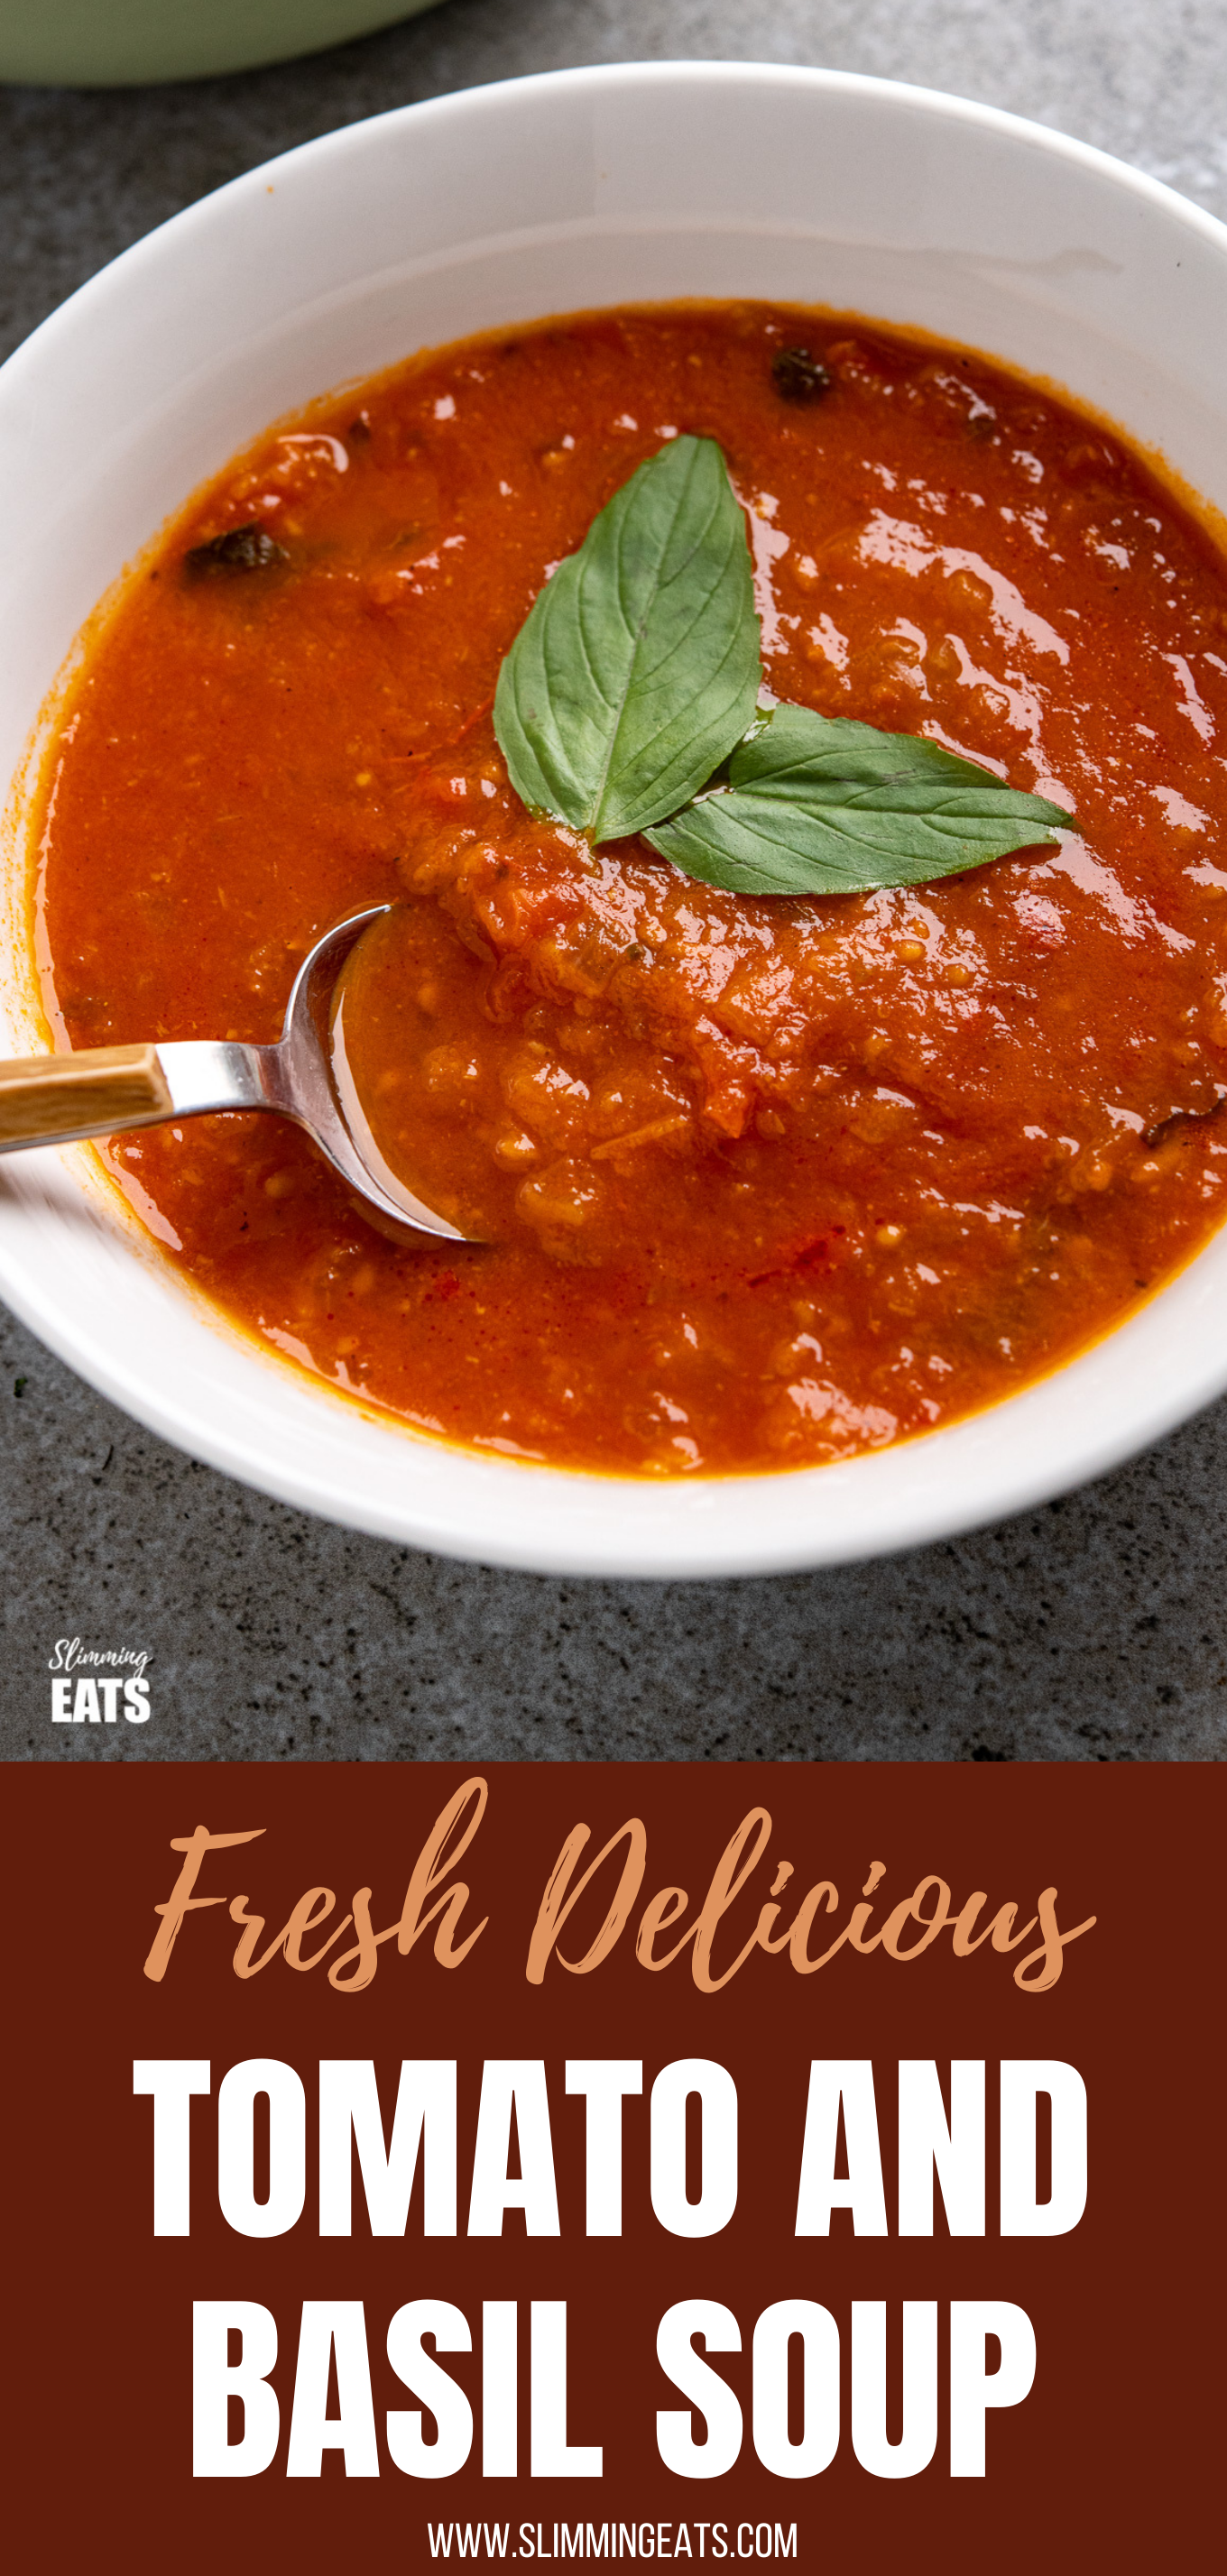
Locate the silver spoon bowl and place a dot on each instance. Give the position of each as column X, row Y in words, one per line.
column 101, row 1091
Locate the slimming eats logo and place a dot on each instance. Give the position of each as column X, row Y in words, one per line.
column 96, row 1685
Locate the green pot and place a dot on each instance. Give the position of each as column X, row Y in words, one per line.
column 105, row 44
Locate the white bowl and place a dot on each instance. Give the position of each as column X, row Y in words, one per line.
column 538, row 196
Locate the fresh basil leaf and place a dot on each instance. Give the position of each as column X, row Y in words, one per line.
column 819, row 805
column 637, row 668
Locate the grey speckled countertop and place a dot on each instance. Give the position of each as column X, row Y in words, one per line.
column 1095, row 1630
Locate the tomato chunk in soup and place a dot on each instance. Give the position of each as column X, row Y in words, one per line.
column 757, row 1182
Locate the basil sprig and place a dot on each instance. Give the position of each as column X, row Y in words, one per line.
column 636, row 675
column 819, row 805
column 638, row 665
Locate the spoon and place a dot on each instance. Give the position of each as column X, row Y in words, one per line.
column 98, row 1091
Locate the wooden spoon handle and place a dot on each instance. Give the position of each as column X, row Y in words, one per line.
column 45, row 1098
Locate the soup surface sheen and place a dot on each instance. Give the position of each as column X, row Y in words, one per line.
column 763, row 1181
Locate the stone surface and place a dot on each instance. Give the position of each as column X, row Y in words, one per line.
column 1093, row 1630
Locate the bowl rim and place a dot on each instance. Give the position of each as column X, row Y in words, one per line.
column 341, row 140
column 488, row 1524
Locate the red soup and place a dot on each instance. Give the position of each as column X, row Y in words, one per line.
column 760, row 1181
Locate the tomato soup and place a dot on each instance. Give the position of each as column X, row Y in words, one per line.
column 757, row 1182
